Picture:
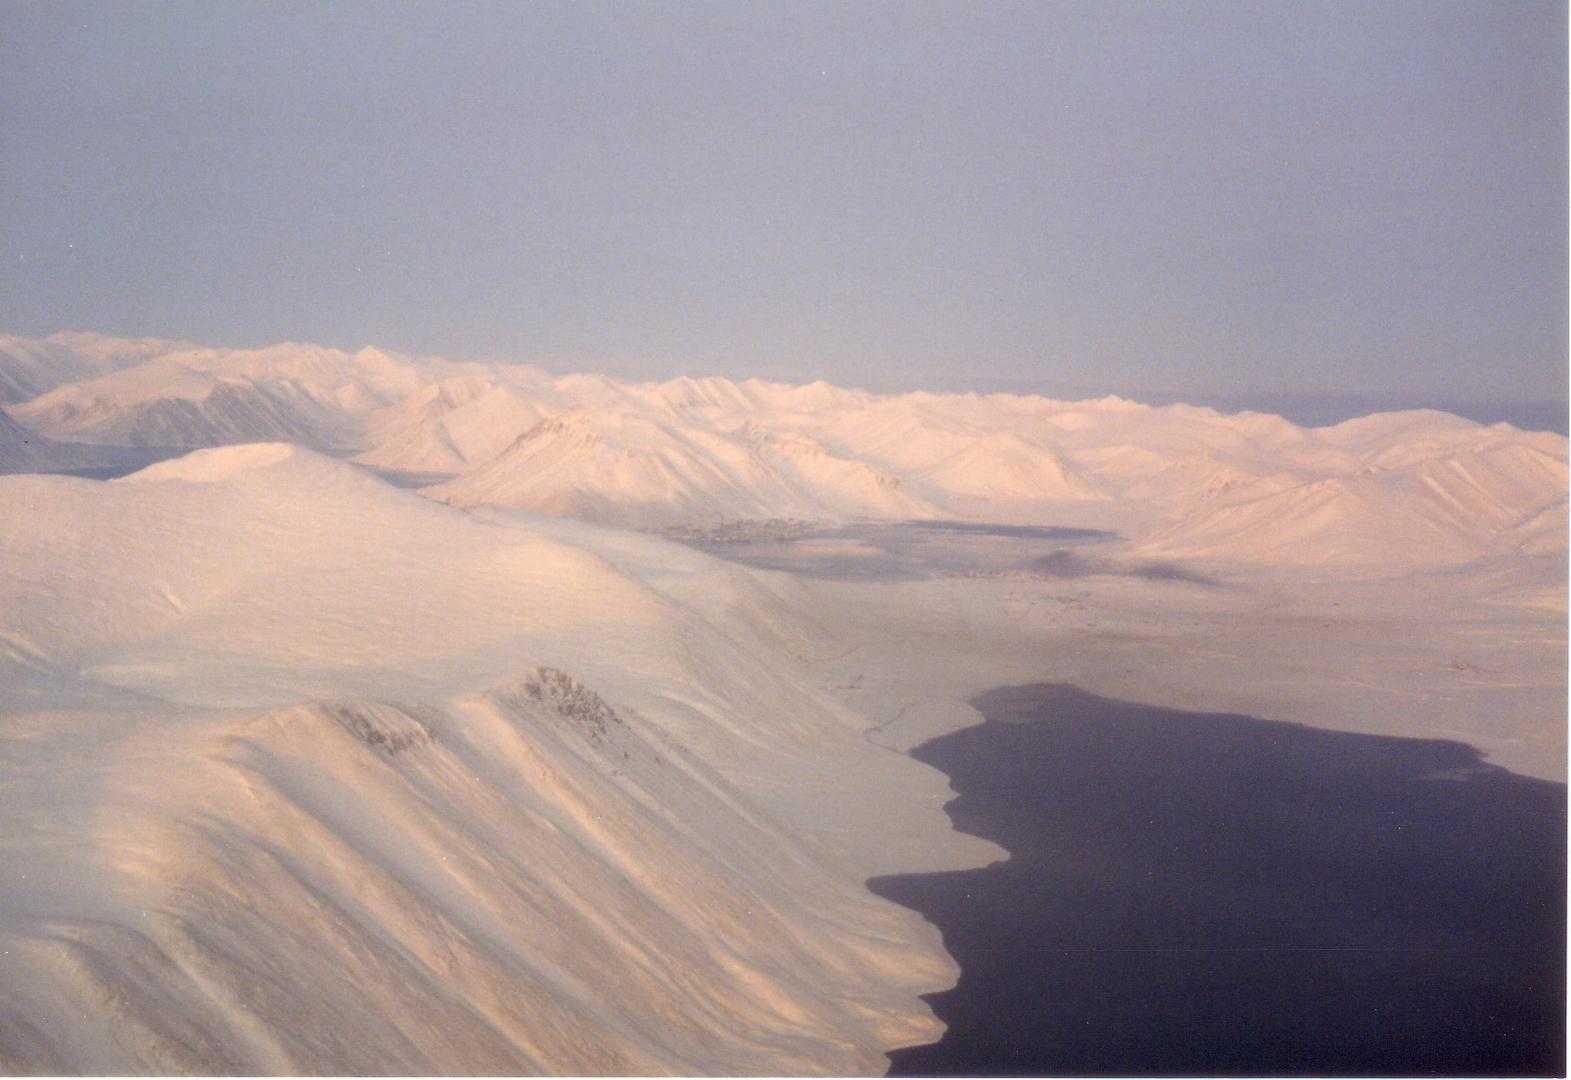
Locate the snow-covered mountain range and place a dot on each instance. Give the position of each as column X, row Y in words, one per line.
column 306, row 771
column 1402, row 488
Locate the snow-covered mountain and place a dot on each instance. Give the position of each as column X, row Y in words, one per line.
column 193, row 398
column 1427, row 499
column 33, row 366
column 309, row 774
column 1411, row 487
column 639, row 471
column 450, row 425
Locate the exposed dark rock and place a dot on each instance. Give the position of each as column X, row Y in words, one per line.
column 366, row 727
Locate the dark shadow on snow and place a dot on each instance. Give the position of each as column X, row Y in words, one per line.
column 1065, row 563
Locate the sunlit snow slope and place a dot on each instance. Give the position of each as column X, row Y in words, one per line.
column 306, row 774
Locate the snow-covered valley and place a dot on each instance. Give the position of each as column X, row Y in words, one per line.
column 306, row 771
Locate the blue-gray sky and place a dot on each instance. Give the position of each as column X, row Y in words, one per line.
column 1206, row 199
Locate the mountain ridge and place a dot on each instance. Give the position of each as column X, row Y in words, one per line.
column 710, row 452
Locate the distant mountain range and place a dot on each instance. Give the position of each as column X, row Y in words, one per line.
column 1406, row 488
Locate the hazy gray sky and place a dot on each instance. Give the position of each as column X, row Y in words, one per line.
column 1209, row 198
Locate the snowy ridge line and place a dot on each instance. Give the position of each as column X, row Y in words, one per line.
column 492, row 795
column 487, row 889
column 1416, row 487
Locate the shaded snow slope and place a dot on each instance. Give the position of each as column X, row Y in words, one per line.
column 23, row 451
column 33, row 366
column 205, row 397
column 490, row 797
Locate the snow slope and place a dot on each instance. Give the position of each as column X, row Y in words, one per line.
column 635, row 470
column 32, row 366
column 1458, row 505
column 308, row 774
column 448, row 426
column 205, row 397
column 23, row 451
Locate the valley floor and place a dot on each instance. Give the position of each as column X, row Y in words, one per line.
column 1050, row 938
column 1478, row 656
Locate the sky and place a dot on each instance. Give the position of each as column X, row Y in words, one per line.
column 1206, row 200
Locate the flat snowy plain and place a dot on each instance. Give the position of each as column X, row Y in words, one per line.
column 306, row 771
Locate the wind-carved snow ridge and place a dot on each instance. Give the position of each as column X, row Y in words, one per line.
column 307, row 774
column 333, row 888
